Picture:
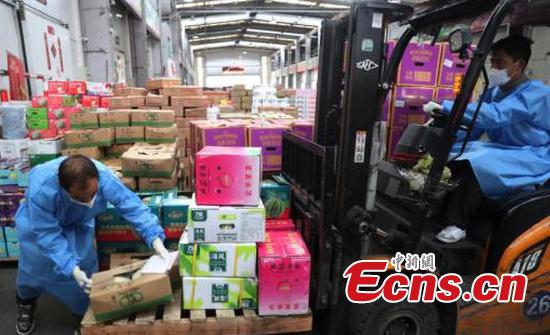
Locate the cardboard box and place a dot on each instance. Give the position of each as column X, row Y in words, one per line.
column 198, row 113
column 303, row 129
column 46, row 147
column 156, row 100
column 58, row 87
column 419, row 65
column 84, row 120
column 217, row 133
column 226, row 223
column 118, row 102
column 14, row 149
column 129, row 135
column 275, row 194
column 270, row 138
column 228, row 176
column 178, row 111
column 443, row 94
column 284, row 268
column 149, row 160
column 38, row 124
column 175, row 212
column 190, row 101
column 130, row 91
column 407, row 106
column 39, row 101
column 110, row 299
column 90, row 152
column 63, row 112
column 37, row 159
column 216, row 259
column 12, row 249
column 90, row 101
column 160, row 135
column 42, row 134
column 160, row 118
column 116, row 150
column 115, row 118
column 219, row 293
column 34, row 113
column 77, row 87
column 62, row 125
column 61, row 100
column 181, row 91
column 238, row 93
column 158, row 184
column 10, row 234
column 130, row 182
column 102, row 137
column 156, row 83
column 450, row 67
column 279, row 225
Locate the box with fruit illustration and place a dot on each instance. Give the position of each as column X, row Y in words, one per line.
column 275, row 194
column 219, row 293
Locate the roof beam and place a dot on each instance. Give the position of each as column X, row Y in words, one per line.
column 267, row 8
column 244, row 39
column 253, row 25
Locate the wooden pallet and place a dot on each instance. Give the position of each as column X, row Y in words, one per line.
column 171, row 320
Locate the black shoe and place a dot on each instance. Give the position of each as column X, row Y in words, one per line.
column 25, row 316
column 77, row 319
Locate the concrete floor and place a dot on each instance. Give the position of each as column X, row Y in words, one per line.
column 52, row 318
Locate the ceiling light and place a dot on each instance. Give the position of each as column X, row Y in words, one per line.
column 244, row 52
column 195, row 37
column 187, row 0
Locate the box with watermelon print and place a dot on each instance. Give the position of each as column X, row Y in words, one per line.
column 217, row 259
column 275, row 194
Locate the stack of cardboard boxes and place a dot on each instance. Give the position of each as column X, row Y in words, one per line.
column 226, row 219
column 426, row 73
column 241, row 99
column 154, row 165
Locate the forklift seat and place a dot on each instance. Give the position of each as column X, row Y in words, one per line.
column 515, row 216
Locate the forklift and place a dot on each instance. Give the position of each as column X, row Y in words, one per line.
column 351, row 204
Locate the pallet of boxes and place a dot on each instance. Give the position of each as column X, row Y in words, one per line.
column 241, row 99
column 222, row 292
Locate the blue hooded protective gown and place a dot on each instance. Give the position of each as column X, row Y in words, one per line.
column 517, row 123
column 56, row 234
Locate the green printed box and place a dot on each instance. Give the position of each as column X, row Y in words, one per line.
column 37, row 159
column 174, row 212
column 226, row 223
column 216, row 259
column 219, row 293
column 38, row 124
column 275, row 194
column 37, row 113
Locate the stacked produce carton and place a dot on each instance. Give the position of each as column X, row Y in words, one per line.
column 226, row 219
column 241, row 99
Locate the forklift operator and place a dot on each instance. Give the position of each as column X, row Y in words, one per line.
column 515, row 153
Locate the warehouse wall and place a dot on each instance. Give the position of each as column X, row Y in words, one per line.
column 9, row 36
column 540, row 58
column 215, row 60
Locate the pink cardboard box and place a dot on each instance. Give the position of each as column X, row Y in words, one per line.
column 303, row 129
column 60, row 124
column 419, row 65
column 90, row 101
column 451, row 66
column 407, row 106
column 42, row 134
column 280, row 225
column 228, row 176
column 270, row 139
column 40, row 101
column 284, row 266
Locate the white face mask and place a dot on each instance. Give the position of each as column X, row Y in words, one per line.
column 498, row 77
column 89, row 204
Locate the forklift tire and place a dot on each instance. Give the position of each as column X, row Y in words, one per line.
column 382, row 318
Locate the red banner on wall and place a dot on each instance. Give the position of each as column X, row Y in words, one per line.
column 16, row 75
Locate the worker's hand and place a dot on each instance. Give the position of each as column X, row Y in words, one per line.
column 432, row 108
column 159, row 248
column 82, row 279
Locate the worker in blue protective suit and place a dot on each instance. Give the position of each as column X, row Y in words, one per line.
column 55, row 225
column 515, row 155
